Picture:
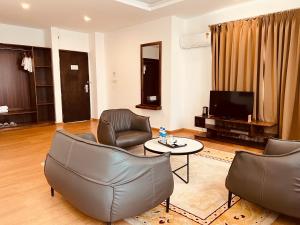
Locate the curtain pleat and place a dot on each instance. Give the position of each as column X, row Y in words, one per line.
column 262, row 55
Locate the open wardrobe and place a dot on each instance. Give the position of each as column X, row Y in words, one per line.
column 26, row 86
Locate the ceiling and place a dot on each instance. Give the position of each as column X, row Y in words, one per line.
column 106, row 15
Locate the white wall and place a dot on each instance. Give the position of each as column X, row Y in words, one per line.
column 198, row 83
column 98, row 71
column 178, row 78
column 123, row 67
column 19, row 35
column 73, row 41
column 56, row 74
column 101, row 73
column 198, row 61
column 92, row 72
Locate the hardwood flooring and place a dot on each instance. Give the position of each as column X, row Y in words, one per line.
column 24, row 192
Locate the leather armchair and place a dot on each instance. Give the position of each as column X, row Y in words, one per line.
column 123, row 128
column 105, row 182
column 271, row 180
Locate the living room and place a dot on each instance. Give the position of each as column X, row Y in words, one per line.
column 104, row 42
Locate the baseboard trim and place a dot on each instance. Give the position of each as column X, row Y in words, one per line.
column 178, row 130
column 92, row 119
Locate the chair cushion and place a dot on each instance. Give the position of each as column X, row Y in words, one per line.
column 131, row 138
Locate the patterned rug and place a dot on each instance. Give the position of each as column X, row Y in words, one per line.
column 204, row 199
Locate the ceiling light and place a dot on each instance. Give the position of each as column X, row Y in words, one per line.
column 87, row 18
column 25, row 5
column 149, row 5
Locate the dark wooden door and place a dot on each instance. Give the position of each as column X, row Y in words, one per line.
column 75, row 90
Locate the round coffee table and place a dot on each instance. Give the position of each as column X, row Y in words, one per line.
column 192, row 147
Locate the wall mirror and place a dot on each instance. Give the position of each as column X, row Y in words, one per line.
column 151, row 76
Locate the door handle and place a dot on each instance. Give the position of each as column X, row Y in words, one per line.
column 86, row 88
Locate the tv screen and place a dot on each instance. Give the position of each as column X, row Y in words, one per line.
column 231, row 104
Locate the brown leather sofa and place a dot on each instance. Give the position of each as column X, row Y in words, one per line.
column 271, row 180
column 105, row 182
column 123, row 128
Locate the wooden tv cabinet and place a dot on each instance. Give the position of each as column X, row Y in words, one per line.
column 235, row 130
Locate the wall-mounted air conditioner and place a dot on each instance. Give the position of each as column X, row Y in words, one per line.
column 195, row 40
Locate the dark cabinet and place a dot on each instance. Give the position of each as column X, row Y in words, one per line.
column 28, row 95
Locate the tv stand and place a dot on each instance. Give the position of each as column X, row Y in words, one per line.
column 239, row 131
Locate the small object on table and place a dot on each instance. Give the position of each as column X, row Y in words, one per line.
column 172, row 143
column 3, row 109
column 249, row 118
column 163, row 135
column 171, row 140
column 205, row 111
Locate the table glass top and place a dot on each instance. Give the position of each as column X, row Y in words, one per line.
column 191, row 146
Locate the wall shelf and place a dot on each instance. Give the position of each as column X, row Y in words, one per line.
column 44, row 85
column 151, row 107
column 40, row 66
column 45, row 103
column 18, row 112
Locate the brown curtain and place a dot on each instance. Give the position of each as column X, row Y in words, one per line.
column 262, row 55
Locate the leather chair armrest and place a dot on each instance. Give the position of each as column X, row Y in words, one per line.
column 278, row 147
column 249, row 172
column 87, row 136
column 163, row 181
column 162, row 175
column 106, row 134
column 267, row 180
column 141, row 123
column 147, row 182
column 244, row 176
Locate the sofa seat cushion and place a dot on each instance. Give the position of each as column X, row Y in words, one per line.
column 132, row 137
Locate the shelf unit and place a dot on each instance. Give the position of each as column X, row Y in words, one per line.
column 241, row 131
column 43, row 84
column 29, row 96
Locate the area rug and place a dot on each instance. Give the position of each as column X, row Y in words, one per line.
column 204, row 199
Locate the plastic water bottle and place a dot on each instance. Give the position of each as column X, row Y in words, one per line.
column 161, row 134
column 164, row 136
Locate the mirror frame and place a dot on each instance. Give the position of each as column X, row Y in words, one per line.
column 150, row 106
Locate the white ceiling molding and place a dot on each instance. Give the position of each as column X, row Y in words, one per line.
column 149, row 5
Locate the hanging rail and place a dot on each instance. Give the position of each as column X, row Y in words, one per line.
column 15, row 49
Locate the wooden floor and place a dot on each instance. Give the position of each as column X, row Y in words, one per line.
column 24, row 192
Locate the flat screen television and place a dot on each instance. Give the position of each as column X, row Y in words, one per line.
column 231, row 104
